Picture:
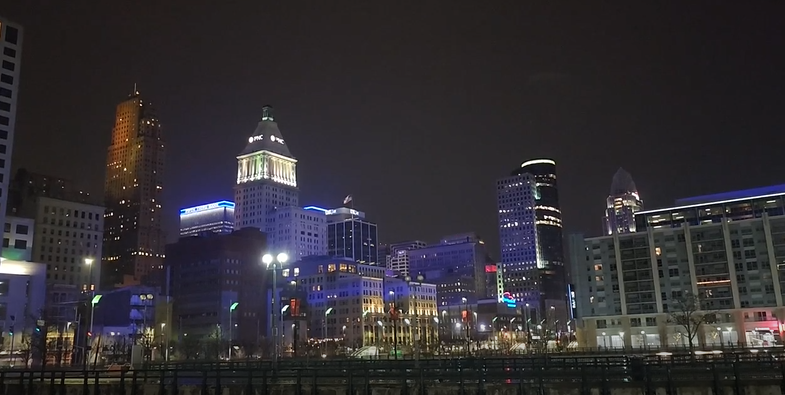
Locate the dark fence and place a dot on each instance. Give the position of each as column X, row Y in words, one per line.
column 459, row 376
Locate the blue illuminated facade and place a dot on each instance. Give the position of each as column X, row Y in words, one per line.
column 216, row 217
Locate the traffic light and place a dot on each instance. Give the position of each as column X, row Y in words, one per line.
column 89, row 334
column 38, row 329
column 11, row 331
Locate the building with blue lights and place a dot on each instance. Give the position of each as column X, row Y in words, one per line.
column 266, row 176
column 217, row 217
column 728, row 249
column 530, row 233
column 457, row 265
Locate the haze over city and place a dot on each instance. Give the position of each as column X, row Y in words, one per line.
column 415, row 109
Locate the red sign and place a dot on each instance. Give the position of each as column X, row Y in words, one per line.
column 490, row 268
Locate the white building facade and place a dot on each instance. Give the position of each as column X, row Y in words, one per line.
column 18, row 236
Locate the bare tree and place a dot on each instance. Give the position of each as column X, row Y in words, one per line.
column 189, row 347
column 214, row 345
column 688, row 312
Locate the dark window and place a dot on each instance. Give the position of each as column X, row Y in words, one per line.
column 11, row 34
column 10, row 52
column 22, row 229
column 3, row 292
column 5, row 92
column 4, row 120
column 9, row 65
column 4, row 134
column 20, row 244
column 5, row 106
column 6, row 78
column 7, row 227
column 2, row 163
column 2, row 149
column 5, row 242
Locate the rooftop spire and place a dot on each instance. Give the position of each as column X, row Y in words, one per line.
column 267, row 113
column 622, row 183
column 134, row 92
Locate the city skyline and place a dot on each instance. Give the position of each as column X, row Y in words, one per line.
column 510, row 100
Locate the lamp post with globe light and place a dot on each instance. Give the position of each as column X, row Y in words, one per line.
column 269, row 260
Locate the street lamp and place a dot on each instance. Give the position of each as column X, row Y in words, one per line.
column 89, row 263
column 166, row 342
column 324, row 329
column 93, row 302
column 231, row 309
column 468, row 325
column 91, row 288
column 268, row 259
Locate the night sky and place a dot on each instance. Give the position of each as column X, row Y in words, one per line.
column 415, row 108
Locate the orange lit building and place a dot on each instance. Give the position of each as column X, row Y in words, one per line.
column 133, row 237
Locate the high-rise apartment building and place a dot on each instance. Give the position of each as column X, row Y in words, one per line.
column 133, row 190
column 297, row 231
column 725, row 250
column 217, row 217
column 622, row 204
column 266, row 176
column 530, row 232
column 10, row 68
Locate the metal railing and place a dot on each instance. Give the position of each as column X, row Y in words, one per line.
column 464, row 376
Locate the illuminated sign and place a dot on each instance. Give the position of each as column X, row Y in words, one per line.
column 261, row 137
column 507, row 298
column 205, row 207
column 490, row 268
column 335, row 211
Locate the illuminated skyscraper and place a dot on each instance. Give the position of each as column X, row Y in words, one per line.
column 622, row 204
column 133, row 238
column 10, row 58
column 266, row 176
column 530, row 232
